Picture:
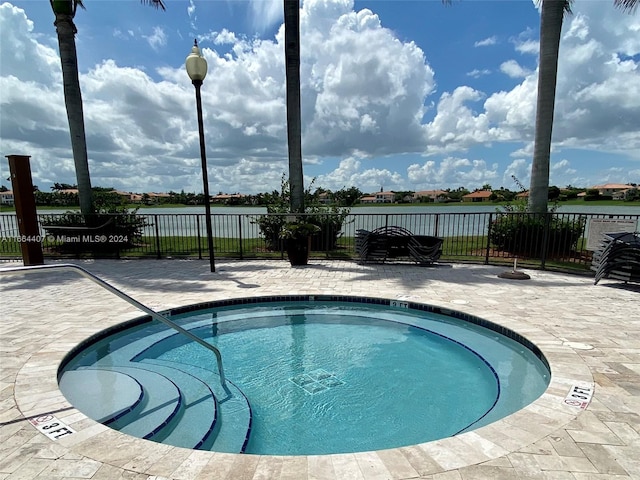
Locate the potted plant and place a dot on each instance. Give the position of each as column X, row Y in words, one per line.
column 296, row 234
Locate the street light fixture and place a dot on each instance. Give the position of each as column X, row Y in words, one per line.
column 196, row 67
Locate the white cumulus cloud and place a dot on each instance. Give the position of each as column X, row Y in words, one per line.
column 486, row 42
column 367, row 92
column 513, row 69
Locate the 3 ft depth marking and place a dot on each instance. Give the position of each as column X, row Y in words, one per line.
column 52, row 427
column 579, row 396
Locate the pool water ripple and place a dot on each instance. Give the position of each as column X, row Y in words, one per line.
column 333, row 377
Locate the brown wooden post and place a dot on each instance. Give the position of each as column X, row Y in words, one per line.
column 25, row 202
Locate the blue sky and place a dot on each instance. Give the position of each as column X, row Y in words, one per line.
column 400, row 95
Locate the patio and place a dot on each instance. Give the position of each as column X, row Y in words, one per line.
column 590, row 335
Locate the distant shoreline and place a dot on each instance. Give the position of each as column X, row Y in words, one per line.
column 599, row 203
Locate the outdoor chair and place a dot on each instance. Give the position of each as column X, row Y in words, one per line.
column 618, row 258
column 393, row 242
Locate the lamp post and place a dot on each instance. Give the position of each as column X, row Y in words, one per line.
column 196, row 67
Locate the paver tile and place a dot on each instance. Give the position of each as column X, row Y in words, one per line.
column 584, row 331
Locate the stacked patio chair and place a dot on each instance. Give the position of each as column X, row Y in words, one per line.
column 425, row 249
column 393, row 242
column 618, row 257
column 371, row 247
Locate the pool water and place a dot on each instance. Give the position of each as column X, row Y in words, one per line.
column 320, row 378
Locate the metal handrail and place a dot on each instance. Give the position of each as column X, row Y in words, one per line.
column 126, row 298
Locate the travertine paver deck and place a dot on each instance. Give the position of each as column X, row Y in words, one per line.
column 590, row 334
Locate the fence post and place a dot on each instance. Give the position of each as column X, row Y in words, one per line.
column 115, row 217
column 199, row 237
column 486, row 257
column 240, row 234
column 158, row 251
column 328, row 235
column 545, row 239
column 437, row 225
column 26, row 215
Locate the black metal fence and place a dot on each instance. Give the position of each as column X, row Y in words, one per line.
column 560, row 241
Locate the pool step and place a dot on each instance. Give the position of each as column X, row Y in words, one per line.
column 196, row 420
column 155, row 333
column 233, row 422
column 103, row 395
column 161, row 402
column 173, row 403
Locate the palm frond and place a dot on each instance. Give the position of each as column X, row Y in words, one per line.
column 627, row 5
column 154, row 3
column 567, row 7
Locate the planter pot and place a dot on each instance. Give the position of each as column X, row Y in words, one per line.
column 298, row 250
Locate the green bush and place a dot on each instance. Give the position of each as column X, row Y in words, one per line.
column 330, row 219
column 102, row 231
column 524, row 234
column 270, row 226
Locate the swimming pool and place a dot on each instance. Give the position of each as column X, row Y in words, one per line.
column 307, row 375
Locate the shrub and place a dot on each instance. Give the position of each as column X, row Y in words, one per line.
column 105, row 230
column 329, row 219
column 524, row 234
column 270, row 226
column 592, row 194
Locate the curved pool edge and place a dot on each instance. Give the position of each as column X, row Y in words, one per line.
column 536, row 421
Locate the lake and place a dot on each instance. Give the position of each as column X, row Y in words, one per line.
column 396, row 209
column 235, row 222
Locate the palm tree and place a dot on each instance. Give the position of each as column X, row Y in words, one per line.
column 65, row 11
column 551, row 17
column 294, row 120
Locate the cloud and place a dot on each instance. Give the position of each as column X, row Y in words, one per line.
column 366, row 93
column 139, row 124
column 563, row 166
column 456, row 126
column 343, row 112
column 265, row 13
column 530, row 47
column 592, row 78
column 350, row 172
column 117, row 33
column 191, row 12
column 526, row 151
column 486, row 42
column 452, row 171
column 157, row 39
column 225, row 37
column 478, row 73
column 513, row 69
column 19, row 42
column 519, row 170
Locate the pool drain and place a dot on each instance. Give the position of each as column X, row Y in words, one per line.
column 316, row 381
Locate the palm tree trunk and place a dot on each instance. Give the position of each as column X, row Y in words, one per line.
column 294, row 121
column 550, row 29
column 73, row 101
